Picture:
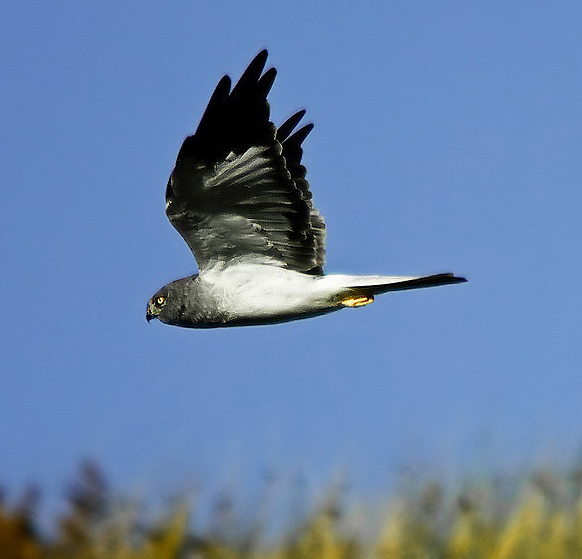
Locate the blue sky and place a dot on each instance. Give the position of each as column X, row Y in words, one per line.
column 448, row 138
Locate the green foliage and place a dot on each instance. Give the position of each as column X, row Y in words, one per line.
column 539, row 518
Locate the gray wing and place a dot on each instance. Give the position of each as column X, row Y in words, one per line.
column 238, row 190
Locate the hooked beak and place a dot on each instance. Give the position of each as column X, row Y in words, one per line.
column 149, row 314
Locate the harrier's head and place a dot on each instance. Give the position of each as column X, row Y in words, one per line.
column 157, row 303
column 176, row 303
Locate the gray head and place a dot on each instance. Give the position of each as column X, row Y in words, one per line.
column 170, row 303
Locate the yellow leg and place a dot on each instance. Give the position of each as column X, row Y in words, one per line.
column 357, row 301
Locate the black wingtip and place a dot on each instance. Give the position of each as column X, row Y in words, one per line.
column 289, row 125
column 255, row 68
column 223, row 87
column 262, row 55
column 301, row 134
column 265, row 83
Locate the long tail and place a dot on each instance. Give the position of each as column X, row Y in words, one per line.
column 356, row 291
column 374, row 285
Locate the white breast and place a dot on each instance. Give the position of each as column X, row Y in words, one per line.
column 266, row 291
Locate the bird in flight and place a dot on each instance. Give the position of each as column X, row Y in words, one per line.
column 239, row 198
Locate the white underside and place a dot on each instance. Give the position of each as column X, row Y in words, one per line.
column 266, row 291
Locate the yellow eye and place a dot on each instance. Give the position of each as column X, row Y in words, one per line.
column 161, row 300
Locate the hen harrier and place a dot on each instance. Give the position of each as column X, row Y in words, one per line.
column 239, row 198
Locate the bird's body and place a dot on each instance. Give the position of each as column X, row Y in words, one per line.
column 239, row 198
column 251, row 294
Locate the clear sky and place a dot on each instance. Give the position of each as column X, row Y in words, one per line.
column 448, row 137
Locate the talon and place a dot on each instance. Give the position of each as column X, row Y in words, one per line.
column 357, row 301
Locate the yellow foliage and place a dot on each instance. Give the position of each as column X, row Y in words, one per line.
column 321, row 539
column 544, row 521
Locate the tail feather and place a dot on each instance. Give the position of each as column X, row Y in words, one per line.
column 373, row 285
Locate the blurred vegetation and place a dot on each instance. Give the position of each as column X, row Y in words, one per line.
column 539, row 516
